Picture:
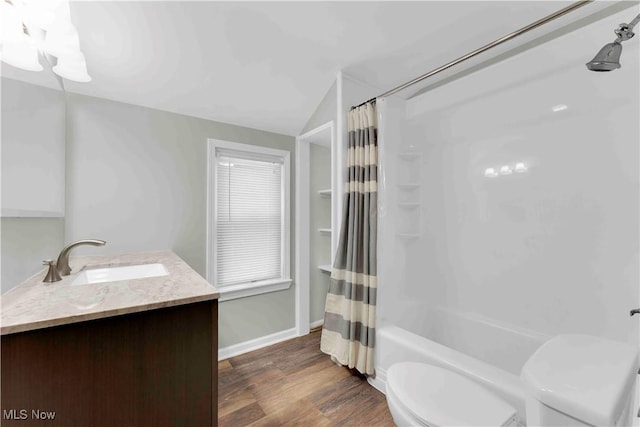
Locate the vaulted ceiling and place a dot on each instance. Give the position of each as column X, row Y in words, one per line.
column 267, row 65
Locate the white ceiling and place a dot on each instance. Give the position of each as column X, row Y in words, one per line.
column 267, row 65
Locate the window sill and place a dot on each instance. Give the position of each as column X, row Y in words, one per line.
column 243, row 290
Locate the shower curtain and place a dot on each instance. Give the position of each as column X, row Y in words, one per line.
column 350, row 311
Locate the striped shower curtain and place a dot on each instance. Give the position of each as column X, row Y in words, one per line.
column 350, row 311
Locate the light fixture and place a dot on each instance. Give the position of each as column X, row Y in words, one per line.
column 40, row 13
column 33, row 27
column 559, row 107
column 22, row 54
column 72, row 67
column 18, row 49
column 62, row 37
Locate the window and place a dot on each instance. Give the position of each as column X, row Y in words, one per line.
column 248, row 239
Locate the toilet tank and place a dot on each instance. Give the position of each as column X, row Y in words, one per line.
column 580, row 380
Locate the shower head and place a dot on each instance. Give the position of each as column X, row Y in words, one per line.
column 608, row 58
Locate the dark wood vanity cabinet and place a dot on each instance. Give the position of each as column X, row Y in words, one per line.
column 152, row 368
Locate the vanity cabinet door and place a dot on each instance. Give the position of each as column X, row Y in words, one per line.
column 154, row 368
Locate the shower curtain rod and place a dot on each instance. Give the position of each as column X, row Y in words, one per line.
column 484, row 48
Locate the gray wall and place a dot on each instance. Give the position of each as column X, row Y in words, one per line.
column 320, row 217
column 326, row 110
column 137, row 178
column 25, row 242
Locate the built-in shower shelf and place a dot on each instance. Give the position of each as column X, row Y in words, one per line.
column 408, row 236
column 408, row 186
column 409, row 205
column 324, row 230
column 325, row 193
column 325, row 268
column 409, row 155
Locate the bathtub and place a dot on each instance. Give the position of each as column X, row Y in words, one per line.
column 483, row 350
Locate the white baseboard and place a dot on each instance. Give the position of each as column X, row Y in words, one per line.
column 380, row 380
column 316, row 323
column 255, row 344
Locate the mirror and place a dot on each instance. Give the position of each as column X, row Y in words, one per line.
column 32, row 171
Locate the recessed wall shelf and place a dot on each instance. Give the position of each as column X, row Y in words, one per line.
column 408, row 236
column 319, row 172
column 409, row 205
column 408, row 186
column 408, row 155
column 325, row 268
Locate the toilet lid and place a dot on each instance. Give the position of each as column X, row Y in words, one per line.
column 439, row 397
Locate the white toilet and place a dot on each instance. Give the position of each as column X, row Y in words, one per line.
column 419, row 394
column 581, row 380
column 571, row 380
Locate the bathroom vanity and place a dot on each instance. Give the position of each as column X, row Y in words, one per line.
column 129, row 352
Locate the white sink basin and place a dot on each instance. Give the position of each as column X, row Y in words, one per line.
column 114, row 274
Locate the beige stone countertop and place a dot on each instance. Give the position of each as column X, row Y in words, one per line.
column 34, row 304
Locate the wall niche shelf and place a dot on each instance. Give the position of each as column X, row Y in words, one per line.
column 325, row 268
column 324, row 193
column 324, row 230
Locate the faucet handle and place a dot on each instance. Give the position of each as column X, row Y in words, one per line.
column 52, row 273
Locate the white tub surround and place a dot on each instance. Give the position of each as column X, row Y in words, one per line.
column 527, row 177
column 508, row 203
column 35, row 305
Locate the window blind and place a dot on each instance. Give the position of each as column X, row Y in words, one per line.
column 249, row 218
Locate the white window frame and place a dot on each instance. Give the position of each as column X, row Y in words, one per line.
column 242, row 290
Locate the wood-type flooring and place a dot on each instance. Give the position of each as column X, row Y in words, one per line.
column 294, row 384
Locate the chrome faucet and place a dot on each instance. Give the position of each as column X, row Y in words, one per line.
column 63, row 259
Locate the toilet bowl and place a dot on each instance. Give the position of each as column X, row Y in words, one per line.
column 419, row 394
